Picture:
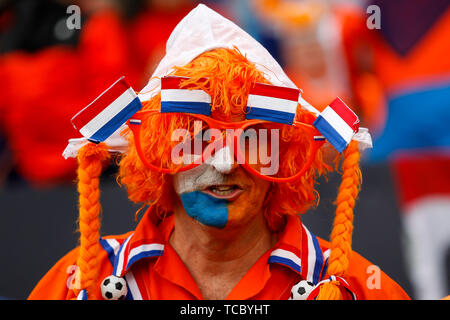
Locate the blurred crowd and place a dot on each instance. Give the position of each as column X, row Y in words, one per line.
column 396, row 77
column 49, row 72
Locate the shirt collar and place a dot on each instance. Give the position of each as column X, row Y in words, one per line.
column 146, row 241
column 297, row 248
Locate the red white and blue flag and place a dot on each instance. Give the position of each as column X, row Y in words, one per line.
column 265, row 102
column 272, row 103
column 337, row 123
column 102, row 117
column 187, row 100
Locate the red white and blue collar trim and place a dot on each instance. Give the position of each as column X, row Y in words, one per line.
column 82, row 295
column 309, row 262
column 124, row 253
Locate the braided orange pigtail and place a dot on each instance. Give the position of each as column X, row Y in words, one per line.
column 341, row 235
column 90, row 158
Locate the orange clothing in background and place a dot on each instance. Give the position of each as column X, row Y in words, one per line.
column 160, row 274
column 42, row 91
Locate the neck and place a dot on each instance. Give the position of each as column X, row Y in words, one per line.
column 218, row 258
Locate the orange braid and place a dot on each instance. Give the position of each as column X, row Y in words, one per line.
column 341, row 236
column 90, row 159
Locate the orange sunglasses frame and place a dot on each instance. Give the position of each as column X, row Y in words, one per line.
column 213, row 123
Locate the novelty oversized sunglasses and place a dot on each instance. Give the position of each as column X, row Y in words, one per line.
column 272, row 151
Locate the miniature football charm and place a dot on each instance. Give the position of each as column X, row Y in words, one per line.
column 114, row 288
column 301, row 290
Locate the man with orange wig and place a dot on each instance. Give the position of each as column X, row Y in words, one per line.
column 226, row 153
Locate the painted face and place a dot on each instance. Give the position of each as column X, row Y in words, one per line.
column 220, row 193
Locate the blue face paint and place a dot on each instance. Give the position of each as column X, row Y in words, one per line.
column 208, row 210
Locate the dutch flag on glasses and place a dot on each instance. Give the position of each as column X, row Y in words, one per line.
column 175, row 99
column 107, row 112
column 272, row 103
column 337, row 123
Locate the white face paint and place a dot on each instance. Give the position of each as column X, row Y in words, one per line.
column 222, row 160
column 211, row 172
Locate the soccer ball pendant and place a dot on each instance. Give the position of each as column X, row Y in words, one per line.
column 114, row 288
column 301, row 290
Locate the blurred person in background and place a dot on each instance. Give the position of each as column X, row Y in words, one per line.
column 400, row 74
column 148, row 30
column 310, row 39
column 48, row 70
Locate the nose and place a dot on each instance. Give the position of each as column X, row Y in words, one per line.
column 223, row 160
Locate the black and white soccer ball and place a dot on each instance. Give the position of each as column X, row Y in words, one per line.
column 301, row 290
column 114, row 288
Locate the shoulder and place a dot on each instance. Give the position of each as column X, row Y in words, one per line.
column 61, row 278
column 367, row 280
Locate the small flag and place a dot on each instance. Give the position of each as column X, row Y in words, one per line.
column 272, row 103
column 107, row 112
column 337, row 123
column 175, row 99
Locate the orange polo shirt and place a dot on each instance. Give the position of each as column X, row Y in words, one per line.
column 153, row 269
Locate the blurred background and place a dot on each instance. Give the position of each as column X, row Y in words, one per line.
column 387, row 59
